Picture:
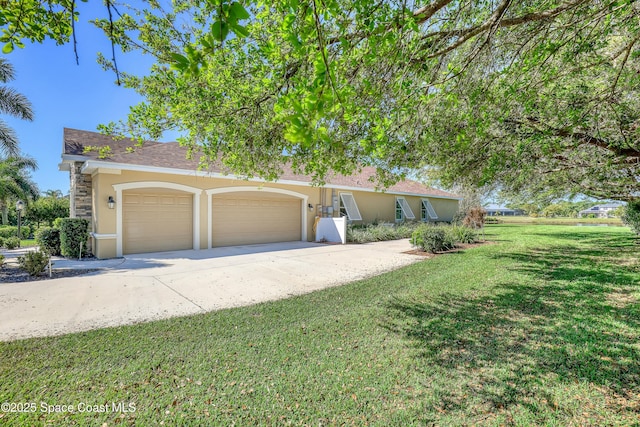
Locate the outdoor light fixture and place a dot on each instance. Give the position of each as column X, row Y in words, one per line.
column 19, row 208
column 310, row 206
column 110, row 202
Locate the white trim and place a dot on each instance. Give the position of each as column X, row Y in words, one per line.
column 99, row 236
column 75, row 158
column 222, row 190
column 119, row 188
column 90, row 165
column 352, row 216
column 406, row 209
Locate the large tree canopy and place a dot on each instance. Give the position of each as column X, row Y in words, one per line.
column 535, row 95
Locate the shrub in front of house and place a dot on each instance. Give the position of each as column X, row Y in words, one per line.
column 1, row 260
column 74, row 234
column 430, row 238
column 48, row 238
column 379, row 232
column 34, row 262
column 463, row 234
column 12, row 243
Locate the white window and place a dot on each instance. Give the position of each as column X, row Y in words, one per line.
column 348, row 207
column 427, row 211
column 403, row 210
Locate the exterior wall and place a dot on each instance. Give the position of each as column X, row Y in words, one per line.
column 80, row 193
column 381, row 207
column 445, row 208
column 104, row 220
column 372, row 206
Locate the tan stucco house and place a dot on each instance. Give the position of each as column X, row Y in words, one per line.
column 154, row 199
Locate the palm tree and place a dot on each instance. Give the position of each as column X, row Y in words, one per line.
column 56, row 194
column 14, row 104
column 15, row 182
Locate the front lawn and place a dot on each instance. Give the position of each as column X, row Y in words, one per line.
column 557, row 221
column 541, row 327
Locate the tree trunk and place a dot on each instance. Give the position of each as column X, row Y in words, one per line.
column 5, row 214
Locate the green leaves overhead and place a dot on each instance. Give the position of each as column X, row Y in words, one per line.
column 529, row 95
column 35, row 21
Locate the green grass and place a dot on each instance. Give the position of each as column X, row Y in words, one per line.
column 556, row 221
column 25, row 243
column 541, row 327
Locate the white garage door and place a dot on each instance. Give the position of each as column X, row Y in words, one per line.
column 255, row 217
column 156, row 220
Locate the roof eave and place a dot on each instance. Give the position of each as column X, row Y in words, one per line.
column 91, row 166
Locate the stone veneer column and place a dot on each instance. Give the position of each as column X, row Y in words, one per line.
column 80, row 193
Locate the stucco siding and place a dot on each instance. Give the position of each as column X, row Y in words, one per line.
column 105, row 183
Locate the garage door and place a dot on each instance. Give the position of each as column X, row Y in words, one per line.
column 255, row 217
column 156, row 220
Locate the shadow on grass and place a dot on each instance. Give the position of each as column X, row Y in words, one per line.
column 569, row 317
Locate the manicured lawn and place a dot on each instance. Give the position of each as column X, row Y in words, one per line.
column 556, row 221
column 541, row 327
column 25, row 243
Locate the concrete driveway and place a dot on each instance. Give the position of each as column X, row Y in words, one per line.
column 147, row 287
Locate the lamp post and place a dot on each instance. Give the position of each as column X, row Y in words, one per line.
column 19, row 208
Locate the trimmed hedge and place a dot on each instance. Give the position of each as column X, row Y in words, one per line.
column 12, row 243
column 48, row 238
column 7, row 231
column 73, row 233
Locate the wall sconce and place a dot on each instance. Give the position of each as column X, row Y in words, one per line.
column 310, row 206
column 110, row 202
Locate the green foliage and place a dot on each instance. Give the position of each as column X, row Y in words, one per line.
column 34, row 262
column 12, row 243
column 462, row 234
column 8, row 231
column 631, row 216
column 430, row 238
column 619, row 211
column 103, row 152
column 35, row 21
column 1, row 259
column 46, row 209
column 489, row 94
column 74, row 232
column 48, row 238
column 379, row 232
column 359, row 83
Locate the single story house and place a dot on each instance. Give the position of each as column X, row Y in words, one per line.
column 496, row 210
column 153, row 199
column 600, row 211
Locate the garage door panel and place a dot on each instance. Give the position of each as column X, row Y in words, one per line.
column 157, row 222
column 250, row 219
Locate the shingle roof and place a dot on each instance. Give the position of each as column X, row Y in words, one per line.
column 172, row 156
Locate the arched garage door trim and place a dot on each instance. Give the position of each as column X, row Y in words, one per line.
column 303, row 206
column 119, row 188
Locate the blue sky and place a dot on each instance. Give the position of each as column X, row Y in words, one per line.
column 64, row 94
